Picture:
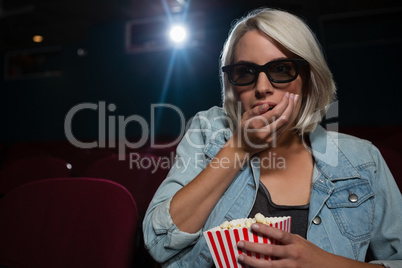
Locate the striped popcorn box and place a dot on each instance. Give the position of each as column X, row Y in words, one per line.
column 222, row 241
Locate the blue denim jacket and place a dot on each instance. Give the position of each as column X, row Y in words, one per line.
column 344, row 165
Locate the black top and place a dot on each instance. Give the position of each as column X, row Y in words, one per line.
column 264, row 205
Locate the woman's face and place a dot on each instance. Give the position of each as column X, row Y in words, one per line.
column 256, row 47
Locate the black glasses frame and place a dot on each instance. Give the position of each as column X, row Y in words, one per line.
column 263, row 68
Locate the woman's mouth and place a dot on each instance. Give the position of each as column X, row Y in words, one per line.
column 271, row 105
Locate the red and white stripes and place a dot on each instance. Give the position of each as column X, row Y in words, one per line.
column 222, row 243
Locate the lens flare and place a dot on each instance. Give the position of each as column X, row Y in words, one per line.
column 178, row 33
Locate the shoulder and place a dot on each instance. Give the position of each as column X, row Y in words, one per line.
column 211, row 122
column 350, row 144
column 207, row 127
column 342, row 149
column 214, row 117
column 213, row 111
column 355, row 147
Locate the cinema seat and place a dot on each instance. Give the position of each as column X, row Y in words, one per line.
column 141, row 177
column 24, row 170
column 68, row 222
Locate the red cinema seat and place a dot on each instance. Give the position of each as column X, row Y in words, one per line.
column 141, row 177
column 68, row 222
column 393, row 158
column 21, row 171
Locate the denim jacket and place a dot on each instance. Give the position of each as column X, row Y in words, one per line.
column 355, row 204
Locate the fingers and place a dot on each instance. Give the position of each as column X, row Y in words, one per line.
column 256, row 111
column 259, row 117
column 278, row 251
column 271, row 250
column 292, row 250
column 284, row 112
column 273, row 233
column 261, row 127
column 257, row 263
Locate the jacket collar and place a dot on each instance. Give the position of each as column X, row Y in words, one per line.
column 328, row 156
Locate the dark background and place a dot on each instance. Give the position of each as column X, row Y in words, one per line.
column 84, row 59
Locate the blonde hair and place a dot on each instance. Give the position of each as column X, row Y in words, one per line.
column 294, row 34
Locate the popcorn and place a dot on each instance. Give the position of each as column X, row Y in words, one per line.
column 259, row 218
column 248, row 222
column 222, row 240
column 225, row 225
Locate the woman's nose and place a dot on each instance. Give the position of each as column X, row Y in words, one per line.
column 263, row 85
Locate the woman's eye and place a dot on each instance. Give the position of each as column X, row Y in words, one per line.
column 245, row 71
column 282, row 68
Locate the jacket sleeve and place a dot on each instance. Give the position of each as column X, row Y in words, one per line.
column 386, row 238
column 162, row 238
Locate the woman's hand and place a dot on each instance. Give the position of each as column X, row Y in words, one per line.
column 260, row 127
column 294, row 251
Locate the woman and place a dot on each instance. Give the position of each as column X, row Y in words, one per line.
column 264, row 152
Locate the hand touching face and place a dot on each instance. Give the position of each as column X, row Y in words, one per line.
column 269, row 108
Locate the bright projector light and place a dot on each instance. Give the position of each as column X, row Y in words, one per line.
column 178, row 34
